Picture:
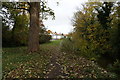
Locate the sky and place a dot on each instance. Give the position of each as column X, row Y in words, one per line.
column 63, row 15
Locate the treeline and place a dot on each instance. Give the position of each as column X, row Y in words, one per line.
column 15, row 26
column 96, row 32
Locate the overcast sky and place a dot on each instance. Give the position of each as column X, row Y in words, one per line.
column 63, row 15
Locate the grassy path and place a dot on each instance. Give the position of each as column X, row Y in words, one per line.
column 50, row 62
column 54, row 66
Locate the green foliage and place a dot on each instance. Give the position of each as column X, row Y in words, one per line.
column 16, row 19
column 96, row 30
column 20, row 33
column 95, row 35
column 115, row 67
column 103, row 14
column 44, row 38
column 16, row 22
column 67, row 45
column 46, row 11
column 115, row 32
column 86, row 37
column 6, row 35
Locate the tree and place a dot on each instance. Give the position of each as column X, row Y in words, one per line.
column 85, row 27
column 33, row 44
column 34, row 9
column 115, row 32
column 104, row 12
column 20, row 35
column 91, row 29
column 17, row 22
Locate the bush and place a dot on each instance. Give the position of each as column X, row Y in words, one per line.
column 67, row 45
column 44, row 38
column 115, row 67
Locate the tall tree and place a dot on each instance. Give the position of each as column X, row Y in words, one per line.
column 33, row 44
column 115, row 32
column 104, row 12
column 85, row 28
column 34, row 10
column 92, row 25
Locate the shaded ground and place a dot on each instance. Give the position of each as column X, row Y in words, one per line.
column 50, row 62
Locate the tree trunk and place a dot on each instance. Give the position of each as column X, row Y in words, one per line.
column 33, row 42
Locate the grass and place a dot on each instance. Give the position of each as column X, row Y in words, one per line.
column 55, row 42
column 15, row 57
column 19, row 64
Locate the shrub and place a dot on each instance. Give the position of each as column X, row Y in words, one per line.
column 67, row 45
column 115, row 67
column 44, row 38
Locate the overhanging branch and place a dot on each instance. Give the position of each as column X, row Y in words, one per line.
column 23, row 9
